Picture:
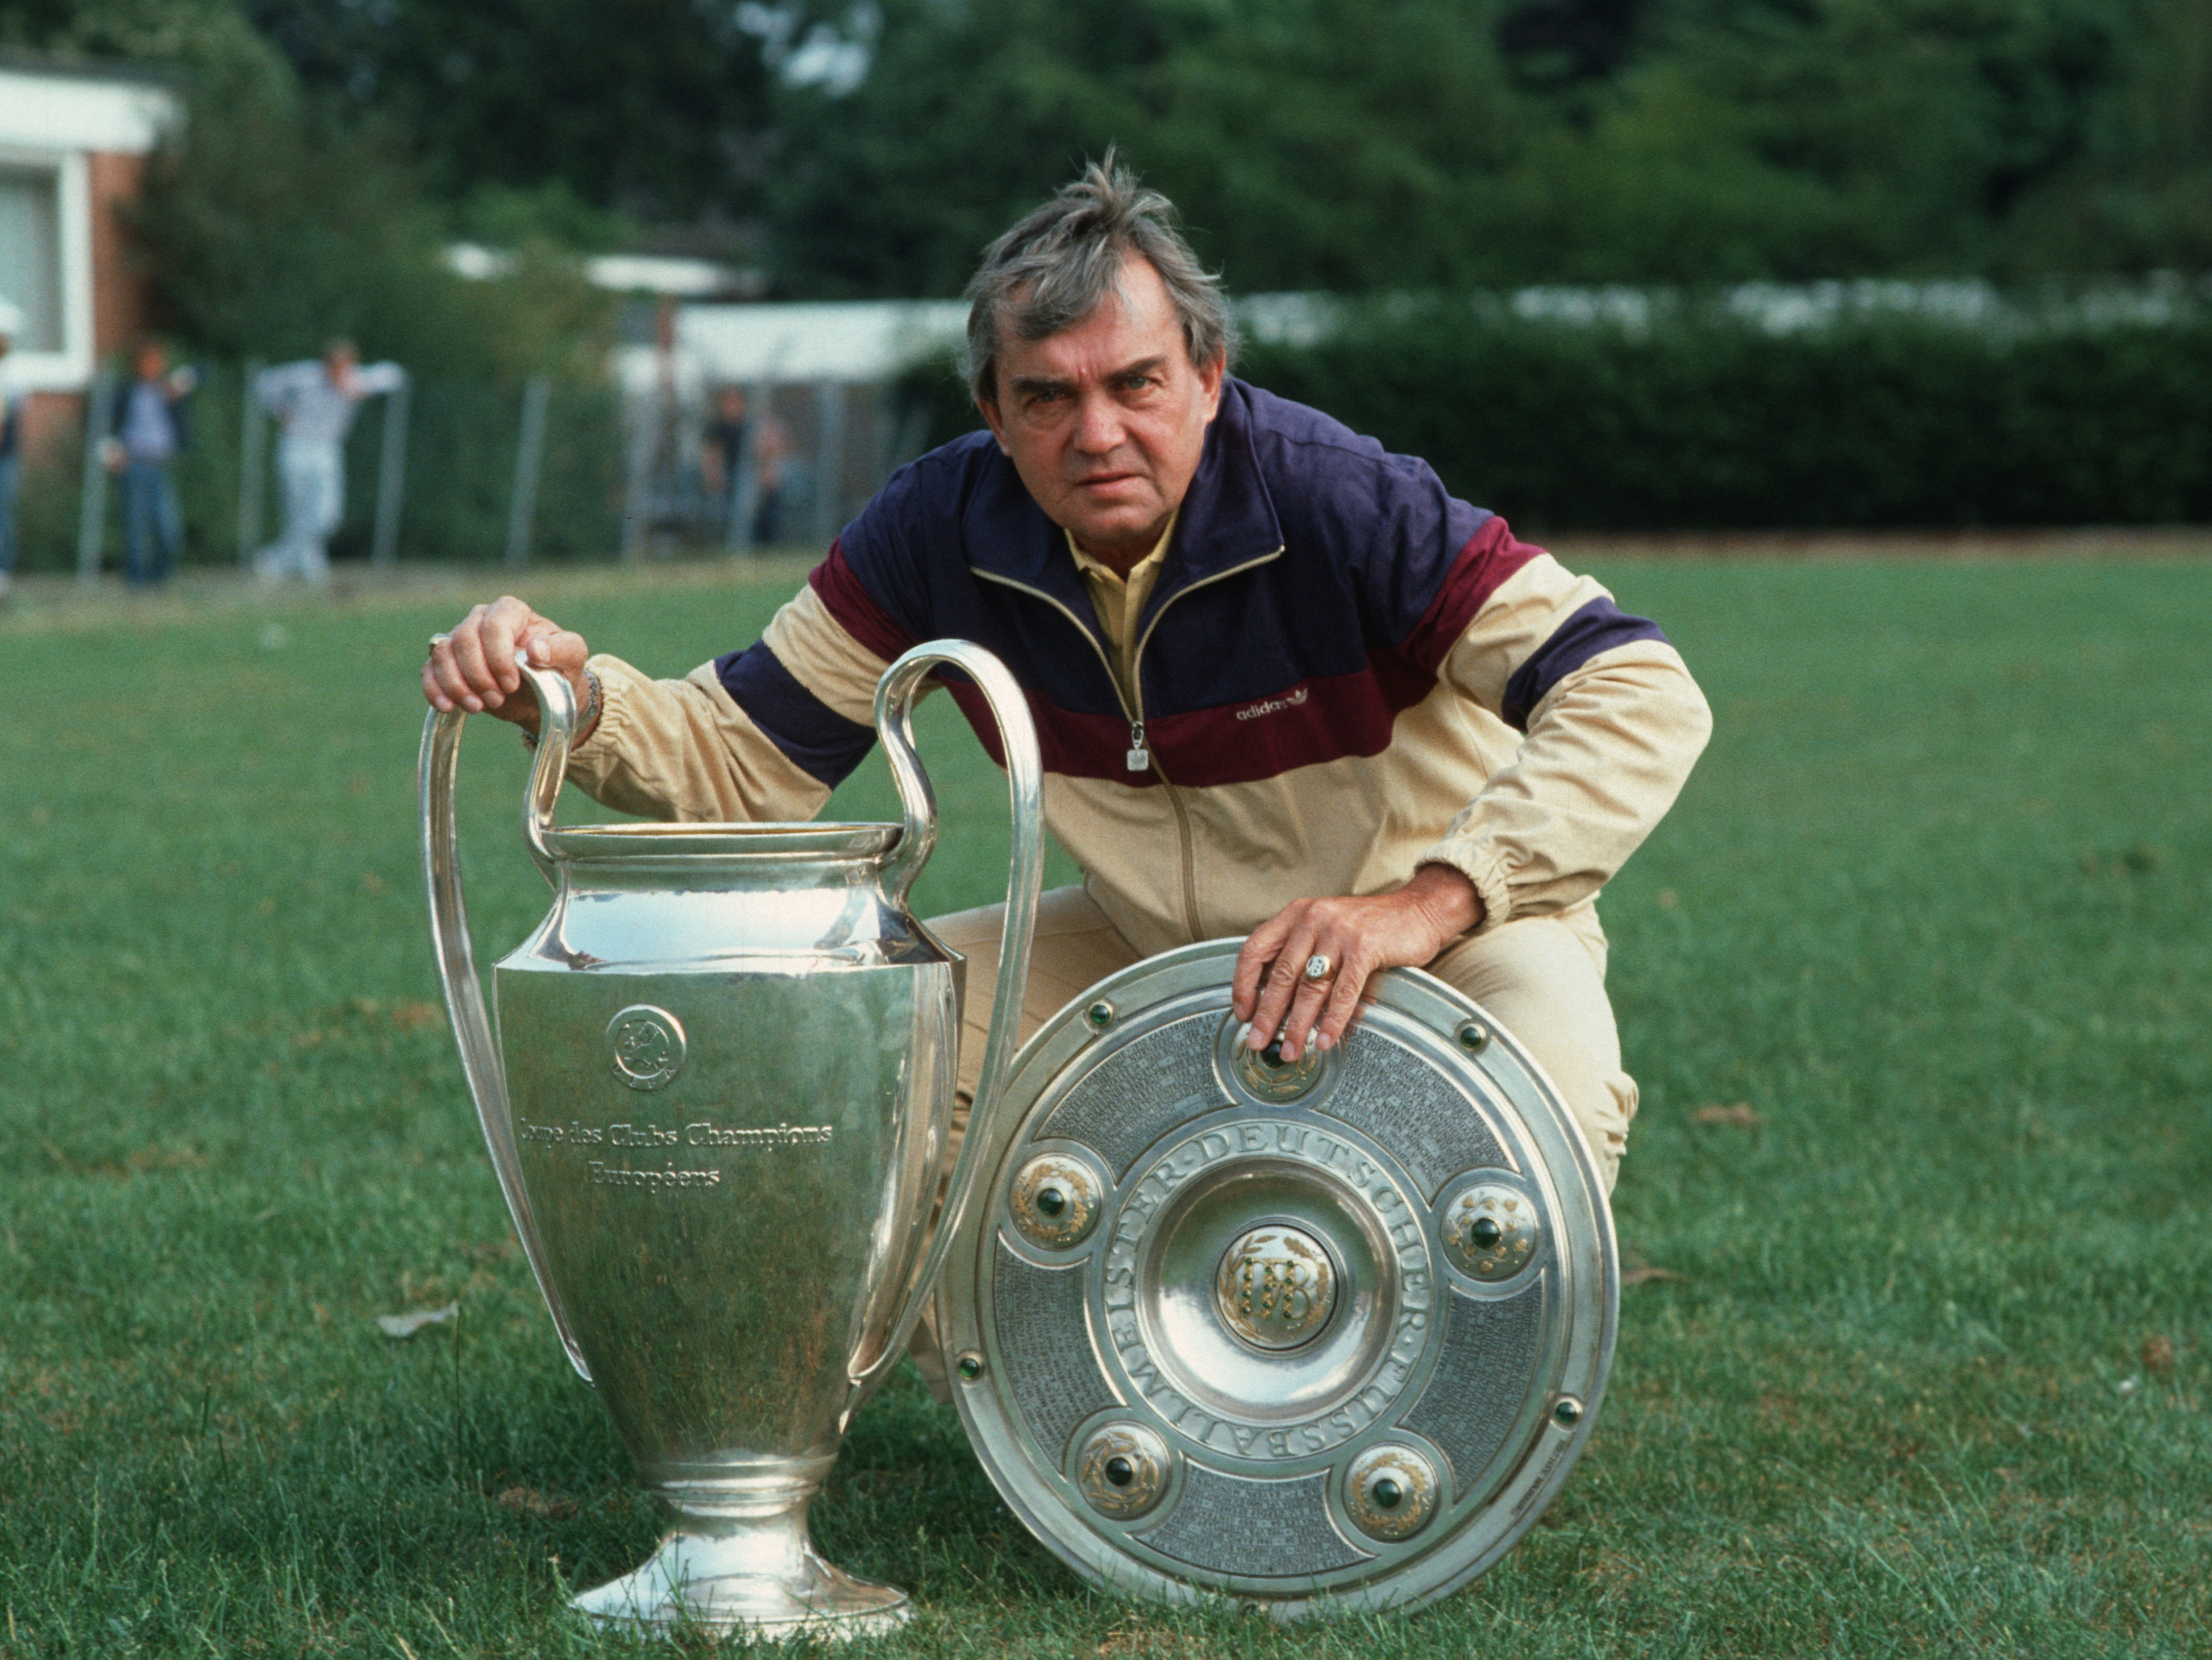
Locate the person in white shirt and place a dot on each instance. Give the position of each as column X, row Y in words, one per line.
column 314, row 401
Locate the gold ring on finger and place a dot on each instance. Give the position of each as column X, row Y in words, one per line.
column 1318, row 968
column 438, row 640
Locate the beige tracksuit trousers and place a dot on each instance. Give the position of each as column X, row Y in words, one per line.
column 1543, row 977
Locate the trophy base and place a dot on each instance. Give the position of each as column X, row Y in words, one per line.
column 720, row 1583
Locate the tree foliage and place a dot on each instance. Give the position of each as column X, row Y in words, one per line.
column 1412, row 143
column 273, row 224
column 870, row 147
column 1704, row 421
column 1330, row 143
column 649, row 107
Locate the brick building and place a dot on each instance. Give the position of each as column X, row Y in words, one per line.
column 74, row 142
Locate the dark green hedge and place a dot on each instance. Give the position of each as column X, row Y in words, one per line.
column 1701, row 424
column 1707, row 424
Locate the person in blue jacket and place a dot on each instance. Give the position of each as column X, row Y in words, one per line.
column 148, row 428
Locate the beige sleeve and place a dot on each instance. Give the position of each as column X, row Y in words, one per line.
column 684, row 751
column 1606, row 752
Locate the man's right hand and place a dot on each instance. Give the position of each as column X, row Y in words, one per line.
column 474, row 668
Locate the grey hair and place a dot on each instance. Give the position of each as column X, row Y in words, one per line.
column 1054, row 268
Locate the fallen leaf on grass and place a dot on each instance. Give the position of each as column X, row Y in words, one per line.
column 881, row 1481
column 347, row 1019
column 1136, row 1640
column 534, row 1503
column 1644, row 1271
column 401, row 1326
column 2158, row 1354
column 1740, row 1115
column 407, row 1014
column 1611, row 1570
column 137, row 1163
column 2140, row 859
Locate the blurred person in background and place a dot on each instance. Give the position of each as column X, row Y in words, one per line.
column 1286, row 686
column 148, row 427
column 775, row 461
column 725, row 466
column 314, row 402
column 11, row 447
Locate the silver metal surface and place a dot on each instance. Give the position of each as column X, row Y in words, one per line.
column 1291, row 1305
column 1123, row 1468
column 1055, row 1201
column 1491, row 1231
column 1263, row 1074
column 1276, row 1287
column 646, row 1046
column 1390, row 1491
column 716, row 1096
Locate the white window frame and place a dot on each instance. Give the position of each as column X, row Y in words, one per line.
column 70, row 369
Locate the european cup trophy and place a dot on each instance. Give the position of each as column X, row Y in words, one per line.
column 717, row 1091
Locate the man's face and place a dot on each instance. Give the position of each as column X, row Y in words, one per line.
column 152, row 363
column 733, row 404
column 1104, row 421
column 338, row 363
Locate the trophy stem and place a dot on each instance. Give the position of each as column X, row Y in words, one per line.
column 744, row 1561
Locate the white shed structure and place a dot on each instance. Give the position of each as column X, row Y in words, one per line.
column 822, row 373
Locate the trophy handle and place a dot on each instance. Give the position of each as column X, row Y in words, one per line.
column 894, row 699
column 449, row 936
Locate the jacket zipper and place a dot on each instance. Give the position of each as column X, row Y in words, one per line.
column 1186, row 843
column 1140, row 757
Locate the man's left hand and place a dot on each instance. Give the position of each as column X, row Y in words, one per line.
column 1356, row 938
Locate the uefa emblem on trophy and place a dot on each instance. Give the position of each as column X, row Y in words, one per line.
column 717, row 1092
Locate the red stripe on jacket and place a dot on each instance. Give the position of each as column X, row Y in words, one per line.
column 1302, row 726
column 859, row 615
column 1491, row 555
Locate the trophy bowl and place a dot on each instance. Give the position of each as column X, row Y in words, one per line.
column 717, row 1096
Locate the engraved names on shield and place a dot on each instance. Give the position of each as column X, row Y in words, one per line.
column 1270, row 1291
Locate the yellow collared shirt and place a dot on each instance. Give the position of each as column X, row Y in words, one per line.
column 1120, row 601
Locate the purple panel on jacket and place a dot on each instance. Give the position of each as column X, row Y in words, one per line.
column 1599, row 626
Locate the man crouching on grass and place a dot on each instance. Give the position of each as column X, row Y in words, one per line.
column 1286, row 686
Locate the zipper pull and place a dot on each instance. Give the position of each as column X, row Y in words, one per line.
column 1139, row 759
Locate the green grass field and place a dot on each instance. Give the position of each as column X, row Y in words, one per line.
column 1921, row 1366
